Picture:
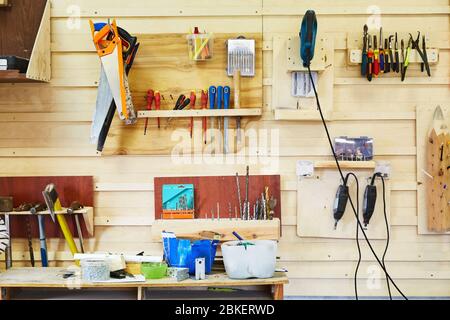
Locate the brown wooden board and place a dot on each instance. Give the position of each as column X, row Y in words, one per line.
column 162, row 63
column 19, row 24
column 210, row 190
column 29, row 189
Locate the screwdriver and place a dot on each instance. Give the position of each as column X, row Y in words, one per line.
column 397, row 58
column 226, row 105
column 381, row 52
column 387, row 66
column 376, row 62
column 150, row 98
column 204, row 102
column 158, row 105
column 193, row 97
column 364, row 52
column 219, row 104
column 369, row 59
column 212, row 102
column 391, row 56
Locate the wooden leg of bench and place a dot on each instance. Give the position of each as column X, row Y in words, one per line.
column 278, row 292
column 4, row 294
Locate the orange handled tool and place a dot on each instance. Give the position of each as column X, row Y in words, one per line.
column 150, row 98
column 193, row 97
column 158, row 105
column 204, row 102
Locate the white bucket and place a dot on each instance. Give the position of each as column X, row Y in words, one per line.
column 251, row 261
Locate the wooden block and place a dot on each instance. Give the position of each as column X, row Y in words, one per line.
column 193, row 229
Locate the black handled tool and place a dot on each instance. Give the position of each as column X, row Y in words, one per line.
column 364, row 52
column 397, row 58
column 422, row 53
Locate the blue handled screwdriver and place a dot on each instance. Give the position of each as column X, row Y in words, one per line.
column 219, row 104
column 212, row 102
column 226, row 105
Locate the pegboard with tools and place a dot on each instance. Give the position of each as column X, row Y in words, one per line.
column 433, row 169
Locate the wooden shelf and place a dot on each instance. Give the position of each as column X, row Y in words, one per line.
column 345, row 164
column 242, row 112
column 87, row 212
column 298, row 115
column 193, row 228
column 13, row 76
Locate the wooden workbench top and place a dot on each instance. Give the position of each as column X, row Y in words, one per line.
column 53, row 278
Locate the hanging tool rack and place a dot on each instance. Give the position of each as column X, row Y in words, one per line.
column 286, row 61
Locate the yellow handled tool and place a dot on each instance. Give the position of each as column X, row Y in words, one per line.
column 52, row 200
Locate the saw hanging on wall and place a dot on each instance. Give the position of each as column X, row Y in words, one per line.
column 438, row 174
column 116, row 49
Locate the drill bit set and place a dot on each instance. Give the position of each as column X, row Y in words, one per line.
column 383, row 57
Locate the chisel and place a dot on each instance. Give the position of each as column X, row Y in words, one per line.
column 212, row 103
column 226, row 105
column 391, row 55
column 74, row 207
column 369, row 59
column 219, row 104
column 193, row 97
column 364, row 52
column 150, row 98
column 387, row 65
column 35, row 211
column 204, row 102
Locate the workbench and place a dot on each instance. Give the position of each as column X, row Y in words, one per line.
column 53, row 278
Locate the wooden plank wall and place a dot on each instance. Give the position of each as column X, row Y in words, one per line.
column 45, row 131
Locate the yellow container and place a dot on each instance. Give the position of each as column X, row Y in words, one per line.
column 134, row 268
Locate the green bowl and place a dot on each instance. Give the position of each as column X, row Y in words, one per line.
column 154, row 270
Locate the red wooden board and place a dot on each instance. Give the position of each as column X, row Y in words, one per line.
column 29, row 189
column 208, row 191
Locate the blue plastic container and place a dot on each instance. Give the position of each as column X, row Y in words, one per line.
column 181, row 253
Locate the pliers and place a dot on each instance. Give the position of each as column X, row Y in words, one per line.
column 422, row 53
column 406, row 57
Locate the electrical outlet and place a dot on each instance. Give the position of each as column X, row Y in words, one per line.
column 384, row 168
column 305, row 168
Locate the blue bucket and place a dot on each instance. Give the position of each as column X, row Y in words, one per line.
column 181, row 253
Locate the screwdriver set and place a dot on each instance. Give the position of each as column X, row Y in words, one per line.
column 382, row 54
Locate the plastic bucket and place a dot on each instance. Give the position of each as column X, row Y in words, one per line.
column 251, row 261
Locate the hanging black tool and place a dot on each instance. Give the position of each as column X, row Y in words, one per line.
column 369, row 59
column 391, row 55
column 22, row 208
column 308, row 34
column 369, row 201
column 364, row 52
column 387, row 65
column 340, row 201
column 422, row 52
column 397, row 58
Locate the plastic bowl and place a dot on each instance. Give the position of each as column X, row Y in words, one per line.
column 154, row 270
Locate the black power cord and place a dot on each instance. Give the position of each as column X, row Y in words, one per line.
column 343, row 178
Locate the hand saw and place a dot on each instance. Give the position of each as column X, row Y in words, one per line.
column 52, row 201
column 131, row 54
column 112, row 45
column 102, row 115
